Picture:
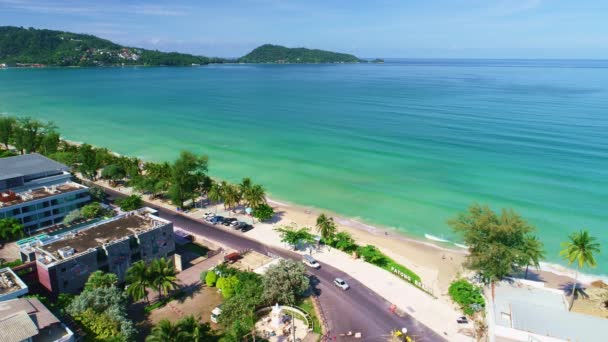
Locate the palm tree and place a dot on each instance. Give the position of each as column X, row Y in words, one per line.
column 232, row 196
column 245, row 186
column 580, row 249
column 533, row 253
column 162, row 276
column 215, row 194
column 192, row 330
column 164, row 331
column 138, row 278
column 100, row 279
column 223, row 189
column 326, row 226
column 255, row 196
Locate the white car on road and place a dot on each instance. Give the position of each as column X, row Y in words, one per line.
column 339, row 282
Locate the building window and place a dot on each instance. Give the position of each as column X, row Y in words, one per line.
column 65, row 284
column 63, row 269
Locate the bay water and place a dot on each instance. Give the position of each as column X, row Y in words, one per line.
column 404, row 145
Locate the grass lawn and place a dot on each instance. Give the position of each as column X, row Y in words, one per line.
column 196, row 248
column 306, row 305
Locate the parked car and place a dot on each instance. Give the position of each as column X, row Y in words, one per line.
column 228, row 220
column 310, row 261
column 235, row 224
column 215, row 313
column 246, row 227
column 217, row 219
column 339, row 282
column 462, row 320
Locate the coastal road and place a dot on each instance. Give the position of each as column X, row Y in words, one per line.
column 358, row 310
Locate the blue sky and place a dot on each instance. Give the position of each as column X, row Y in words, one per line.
column 379, row 28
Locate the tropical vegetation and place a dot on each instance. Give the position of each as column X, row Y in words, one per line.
column 285, row 282
column 580, row 249
column 59, row 48
column 101, row 309
column 326, row 226
column 295, row 236
column 10, row 229
column 129, row 203
column 263, row 212
column 269, row 53
column 99, row 279
column 497, row 242
column 467, row 295
column 187, row 329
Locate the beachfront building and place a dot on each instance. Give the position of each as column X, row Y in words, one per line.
column 27, row 319
column 11, row 286
column 38, row 191
column 65, row 261
column 525, row 310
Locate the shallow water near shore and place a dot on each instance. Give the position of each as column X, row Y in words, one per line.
column 405, row 145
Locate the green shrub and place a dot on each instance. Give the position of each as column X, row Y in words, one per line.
column 92, row 210
column 211, row 278
column 227, row 285
column 263, row 212
column 344, row 242
column 130, row 203
column 372, row 255
column 12, row 264
column 467, row 295
column 72, row 217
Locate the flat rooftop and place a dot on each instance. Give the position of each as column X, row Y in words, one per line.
column 101, row 233
column 28, row 164
column 10, row 282
column 544, row 312
column 39, row 193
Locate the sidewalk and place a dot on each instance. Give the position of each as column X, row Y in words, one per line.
column 438, row 314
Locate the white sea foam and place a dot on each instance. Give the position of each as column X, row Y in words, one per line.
column 435, row 238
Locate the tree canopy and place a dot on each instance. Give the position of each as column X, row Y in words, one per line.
column 284, row 282
column 59, row 48
column 10, row 228
column 269, row 53
column 187, row 174
column 496, row 242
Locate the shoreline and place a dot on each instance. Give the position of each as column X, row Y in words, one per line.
column 377, row 235
column 431, row 259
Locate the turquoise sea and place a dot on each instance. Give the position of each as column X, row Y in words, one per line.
column 404, row 145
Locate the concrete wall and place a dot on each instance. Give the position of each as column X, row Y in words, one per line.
column 119, row 258
column 157, row 243
column 524, row 336
column 70, row 275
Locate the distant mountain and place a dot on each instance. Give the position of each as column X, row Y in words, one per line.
column 57, row 48
column 279, row 54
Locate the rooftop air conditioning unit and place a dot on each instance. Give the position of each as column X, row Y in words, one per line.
column 66, row 252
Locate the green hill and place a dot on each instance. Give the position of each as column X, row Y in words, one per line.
column 57, row 48
column 279, row 54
